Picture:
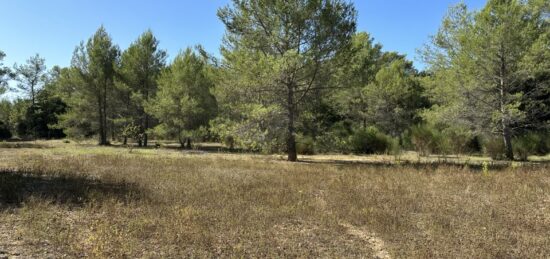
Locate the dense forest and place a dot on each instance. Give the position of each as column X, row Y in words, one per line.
column 297, row 77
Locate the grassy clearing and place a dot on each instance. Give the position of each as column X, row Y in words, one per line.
column 106, row 202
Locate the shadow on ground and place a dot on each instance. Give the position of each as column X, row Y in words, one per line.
column 16, row 187
column 21, row 145
column 478, row 166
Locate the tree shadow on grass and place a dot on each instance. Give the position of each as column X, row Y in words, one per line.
column 432, row 165
column 22, row 145
column 16, row 187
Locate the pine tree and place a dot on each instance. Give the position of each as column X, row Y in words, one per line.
column 89, row 85
column 140, row 67
column 276, row 52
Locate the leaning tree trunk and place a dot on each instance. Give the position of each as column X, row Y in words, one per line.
column 291, row 138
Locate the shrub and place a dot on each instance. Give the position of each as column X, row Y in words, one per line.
column 455, row 140
column 494, row 147
column 372, row 141
column 229, row 141
column 475, row 145
column 527, row 144
column 305, row 145
column 427, row 140
column 5, row 132
column 336, row 139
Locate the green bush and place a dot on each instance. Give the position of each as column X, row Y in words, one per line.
column 494, row 148
column 305, row 145
column 336, row 139
column 5, row 132
column 372, row 141
column 529, row 144
column 229, row 142
column 428, row 140
column 455, row 140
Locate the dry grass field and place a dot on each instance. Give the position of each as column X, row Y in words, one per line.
column 73, row 200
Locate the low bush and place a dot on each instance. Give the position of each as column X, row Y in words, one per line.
column 336, row 139
column 494, row 148
column 229, row 142
column 530, row 143
column 372, row 141
column 305, row 145
column 427, row 140
column 456, row 140
column 5, row 132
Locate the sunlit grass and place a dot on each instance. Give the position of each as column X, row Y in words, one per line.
column 86, row 200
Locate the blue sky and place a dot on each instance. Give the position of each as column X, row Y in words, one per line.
column 53, row 28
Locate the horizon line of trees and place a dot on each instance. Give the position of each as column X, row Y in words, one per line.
column 296, row 77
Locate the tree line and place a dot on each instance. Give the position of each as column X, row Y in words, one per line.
column 297, row 77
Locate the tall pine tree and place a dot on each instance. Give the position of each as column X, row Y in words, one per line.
column 140, row 67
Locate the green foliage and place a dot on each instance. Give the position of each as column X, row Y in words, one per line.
column 526, row 145
column 5, row 74
column 262, row 129
column 229, row 142
column 305, row 145
column 31, row 76
column 40, row 119
column 278, row 53
column 132, row 131
column 480, row 62
column 88, row 88
column 335, row 139
column 494, row 148
column 5, row 132
column 184, row 101
column 457, row 140
column 140, row 68
column 394, row 97
column 426, row 139
column 531, row 143
column 372, row 141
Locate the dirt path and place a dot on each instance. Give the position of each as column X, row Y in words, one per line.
column 375, row 242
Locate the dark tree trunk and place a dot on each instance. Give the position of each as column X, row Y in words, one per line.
column 188, row 143
column 507, row 137
column 102, row 136
column 291, row 138
column 125, row 141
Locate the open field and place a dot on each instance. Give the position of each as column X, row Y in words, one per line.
column 59, row 199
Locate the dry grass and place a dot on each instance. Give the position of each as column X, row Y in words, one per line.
column 106, row 202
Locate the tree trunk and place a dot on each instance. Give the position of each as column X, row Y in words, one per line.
column 145, row 127
column 102, row 140
column 506, row 133
column 103, row 125
column 291, row 138
column 506, row 136
column 125, row 141
column 188, row 143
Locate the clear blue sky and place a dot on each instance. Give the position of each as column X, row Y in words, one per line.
column 53, row 28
